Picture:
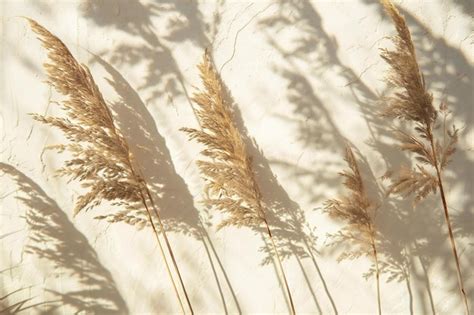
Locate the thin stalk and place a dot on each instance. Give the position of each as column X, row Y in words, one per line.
column 303, row 271
column 427, row 282
column 410, row 293
column 408, row 259
column 142, row 183
column 226, row 116
column 377, row 275
column 214, row 271
column 239, row 311
column 448, row 223
column 280, row 266
column 169, row 249
column 162, row 251
column 320, row 274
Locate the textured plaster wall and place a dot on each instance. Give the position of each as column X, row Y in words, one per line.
column 305, row 76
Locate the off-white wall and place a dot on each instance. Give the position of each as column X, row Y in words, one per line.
column 305, row 76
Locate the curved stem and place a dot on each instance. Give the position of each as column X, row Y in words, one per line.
column 410, row 293
column 280, row 266
column 162, row 251
column 320, row 274
column 377, row 276
column 427, row 281
column 143, row 184
column 169, row 249
column 214, row 272
column 448, row 223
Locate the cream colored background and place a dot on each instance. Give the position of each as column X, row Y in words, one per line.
column 305, row 76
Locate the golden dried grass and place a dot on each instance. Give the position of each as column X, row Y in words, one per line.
column 411, row 101
column 358, row 212
column 226, row 167
column 101, row 159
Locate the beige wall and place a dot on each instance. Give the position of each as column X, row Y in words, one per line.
column 304, row 76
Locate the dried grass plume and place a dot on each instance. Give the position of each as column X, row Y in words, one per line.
column 358, row 212
column 432, row 143
column 100, row 157
column 226, row 167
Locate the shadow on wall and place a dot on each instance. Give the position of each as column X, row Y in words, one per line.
column 466, row 5
column 16, row 299
column 404, row 247
column 52, row 237
column 171, row 194
column 448, row 72
column 311, row 48
column 293, row 236
column 413, row 239
column 12, row 308
column 184, row 23
column 12, row 303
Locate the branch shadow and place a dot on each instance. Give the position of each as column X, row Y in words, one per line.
column 54, row 238
column 184, row 23
column 315, row 127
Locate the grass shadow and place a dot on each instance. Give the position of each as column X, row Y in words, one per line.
column 52, row 237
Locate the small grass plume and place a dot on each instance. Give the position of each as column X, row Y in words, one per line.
column 432, row 143
column 101, row 159
column 230, row 186
column 358, row 212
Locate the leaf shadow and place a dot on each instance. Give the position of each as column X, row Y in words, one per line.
column 314, row 124
column 183, row 23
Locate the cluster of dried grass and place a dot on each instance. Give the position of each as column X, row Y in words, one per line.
column 227, row 169
column 230, row 186
column 100, row 156
column 413, row 103
column 101, row 160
